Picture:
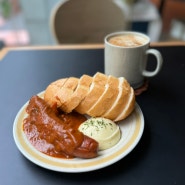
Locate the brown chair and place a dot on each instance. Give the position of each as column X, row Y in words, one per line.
column 85, row 21
column 173, row 9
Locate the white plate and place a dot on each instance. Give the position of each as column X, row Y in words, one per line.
column 131, row 128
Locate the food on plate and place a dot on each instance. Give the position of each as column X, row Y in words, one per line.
column 103, row 130
column 57, row 124
column 97, row 96
column 56, row 133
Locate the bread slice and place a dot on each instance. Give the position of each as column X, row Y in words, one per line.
column 121, row 100
column 128, row 108
column 96, row 89
column 100, row 79
column 78, row 95
column 106, row 100
column 98, row 96
column 64, row 93
column 51, row 91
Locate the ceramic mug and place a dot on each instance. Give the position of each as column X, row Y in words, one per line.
column 126, row 56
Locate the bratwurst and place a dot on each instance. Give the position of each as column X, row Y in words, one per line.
column 55, row 133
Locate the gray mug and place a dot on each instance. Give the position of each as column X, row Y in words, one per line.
column 126, row 56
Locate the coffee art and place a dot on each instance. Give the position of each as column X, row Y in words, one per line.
column 126, row 55
column 129, row 40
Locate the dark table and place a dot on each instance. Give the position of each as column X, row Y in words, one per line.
column 159, row 158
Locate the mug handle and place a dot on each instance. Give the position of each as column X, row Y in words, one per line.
column 159, row 61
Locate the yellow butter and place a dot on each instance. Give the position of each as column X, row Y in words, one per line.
column 103, row 130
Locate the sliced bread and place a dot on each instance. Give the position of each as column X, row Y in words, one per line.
column 106, row 100
column 96, row 89
column 78, row 95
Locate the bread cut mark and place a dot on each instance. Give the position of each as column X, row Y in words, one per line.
column 100, row 79
column 97, row 87
column 78, row 94
column 51, row 91
column 67, row 89
column 107, row 98
column 59, row 83
column 128, row 108
column 120, row 102
column 85, row 80
column 88, row 101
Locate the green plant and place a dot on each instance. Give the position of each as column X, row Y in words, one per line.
column 5, row 8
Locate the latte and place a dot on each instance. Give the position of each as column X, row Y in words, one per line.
column 129, row 40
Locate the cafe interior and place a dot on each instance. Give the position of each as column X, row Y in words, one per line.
column 42, row 41
column 27, row 23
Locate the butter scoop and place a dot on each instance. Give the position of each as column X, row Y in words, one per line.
column 104, row 131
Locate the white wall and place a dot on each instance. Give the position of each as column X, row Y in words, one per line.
column 36, row 15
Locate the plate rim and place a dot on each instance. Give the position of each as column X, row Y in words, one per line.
column 25, row 147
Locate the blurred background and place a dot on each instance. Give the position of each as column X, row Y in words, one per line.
column 25, row 23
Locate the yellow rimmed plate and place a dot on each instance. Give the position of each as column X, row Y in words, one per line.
column 131, row 129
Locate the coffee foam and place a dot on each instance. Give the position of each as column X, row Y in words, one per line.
column 129, row 40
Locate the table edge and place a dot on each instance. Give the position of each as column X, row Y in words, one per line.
column 4, row 51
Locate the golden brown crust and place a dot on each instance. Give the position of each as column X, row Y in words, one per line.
column 64, row 93
column 96, row 89
column 107, row 99
column 97, row 96
column 78, row 95
column 130, row 105
column 120, row 102
column 51, row 91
